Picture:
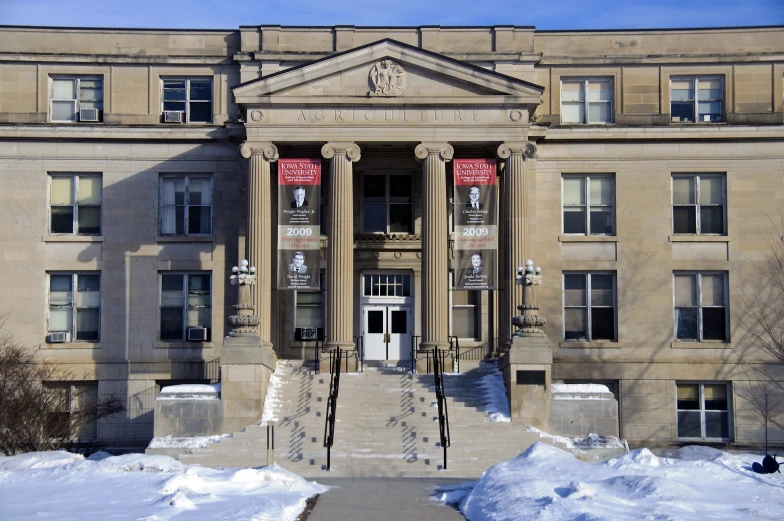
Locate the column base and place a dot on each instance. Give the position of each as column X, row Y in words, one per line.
column 527, row 370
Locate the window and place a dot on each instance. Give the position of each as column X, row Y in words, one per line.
column 76, row 313
column 310, row 310
column 703, row 411
column 387, row 285
column 696, row 99
column 465, row 313
column 588, row 204
column 69, row 402
column 190, row 97
column 589, row 306
column 75, row 201
column 698, row 204
column 387, row 203
column 186, row 205
column 185, row 303
column 73, row 97
column 700, row 306
column 595, row 107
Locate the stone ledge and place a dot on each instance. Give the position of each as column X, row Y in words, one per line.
column 183, row 344
column 72, row 238
column 598, row 344
column 587, row 238
column 73, row 345
column 706, row 344
column 698, row 238
column 185, row 238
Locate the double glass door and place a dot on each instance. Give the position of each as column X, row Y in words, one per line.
column 387, row 332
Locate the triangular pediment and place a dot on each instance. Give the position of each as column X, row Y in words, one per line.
column 388, row 71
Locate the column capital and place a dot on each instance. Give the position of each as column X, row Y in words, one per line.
column 445, row 150
column 268, row 150
column 526, row 148
column 350, row 150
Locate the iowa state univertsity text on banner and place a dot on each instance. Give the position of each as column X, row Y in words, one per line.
column 476, row 224
column 299, row 223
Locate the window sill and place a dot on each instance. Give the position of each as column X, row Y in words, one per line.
column 185, row 238
column 72, row 238
column 587, row 238
column 596, row 344
column 698, row 238
column 178, row 344
column 706, row 344
column 73, row 345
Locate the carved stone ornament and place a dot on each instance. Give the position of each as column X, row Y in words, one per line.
column 516, row 115
column 387, row 78
column 444, row 150
column 268, row 150
column 256, row 115
column 526, row 148
column 351, row 150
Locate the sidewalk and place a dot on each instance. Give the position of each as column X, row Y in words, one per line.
column 383, row 499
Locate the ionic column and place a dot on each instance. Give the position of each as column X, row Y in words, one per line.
column 258, row 240
column 340, row 246
column 435, row 266
column 514, row 194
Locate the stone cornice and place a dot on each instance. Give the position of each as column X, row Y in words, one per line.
column 268, row 150
column 444, row 150
column 350, row 150
column 86, row 132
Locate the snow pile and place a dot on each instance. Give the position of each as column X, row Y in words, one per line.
column 191, row 392
column 192, row 442
column 68, row 487
column 274, row 392
column 497, row 407
column 592, row 441
column 548, row 484
column 581, row 392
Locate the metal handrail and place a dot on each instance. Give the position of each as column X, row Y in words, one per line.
column 332, row 401
column 454, row 347
column 414, row 346
column 443, row 413
column 317, row 354
column 359, row 352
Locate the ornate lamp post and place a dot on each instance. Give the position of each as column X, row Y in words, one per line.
column 529, row 323
column 244, row 322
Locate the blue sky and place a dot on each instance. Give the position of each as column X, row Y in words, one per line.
column 547, row 14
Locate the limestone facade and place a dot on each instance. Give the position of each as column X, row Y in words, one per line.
column 513, row 93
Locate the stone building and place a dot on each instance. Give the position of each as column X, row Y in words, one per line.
column 638, row 168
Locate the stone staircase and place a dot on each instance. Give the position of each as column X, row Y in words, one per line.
column 386, row 425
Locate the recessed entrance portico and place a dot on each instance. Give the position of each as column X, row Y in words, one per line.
column 433, row 106
column 386, row 311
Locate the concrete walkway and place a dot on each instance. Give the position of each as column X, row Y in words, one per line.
column 383, row 499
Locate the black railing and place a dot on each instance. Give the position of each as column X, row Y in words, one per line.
column 414, row 349
column 332, row 401
column 359, row 353
column 454, row 348
column 443, row 413
column 317, row 354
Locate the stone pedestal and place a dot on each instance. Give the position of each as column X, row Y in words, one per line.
column 527, row 369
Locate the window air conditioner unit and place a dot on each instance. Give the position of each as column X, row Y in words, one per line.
column 173, row 116
column 88, row 114
column 197, row 334
column 59, row 337
column 308, row 333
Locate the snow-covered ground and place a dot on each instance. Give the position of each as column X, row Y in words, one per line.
column 693, row 484
column 62, row 486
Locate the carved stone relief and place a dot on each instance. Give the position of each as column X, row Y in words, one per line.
column 387, row 78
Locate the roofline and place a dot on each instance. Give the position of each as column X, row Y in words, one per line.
column 390, row 27
column 401, row 44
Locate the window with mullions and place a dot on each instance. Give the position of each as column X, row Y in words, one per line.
column 387, row 285
column 465, row 312
column 74, row 305
column 190, row 96
column 587, row 100
column 588, row 204
column 589, row 306
column 310, row 310
column 696, row 99
column 387, row 203
column 703, row 411
column 69, row 401
column 186, row 205
column 698, row 204
column 185, row 302
column 700, row 306
column 75, row 204
column 70, row 95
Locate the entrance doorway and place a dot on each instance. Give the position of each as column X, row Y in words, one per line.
column 387, row 332
column 387, row 316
